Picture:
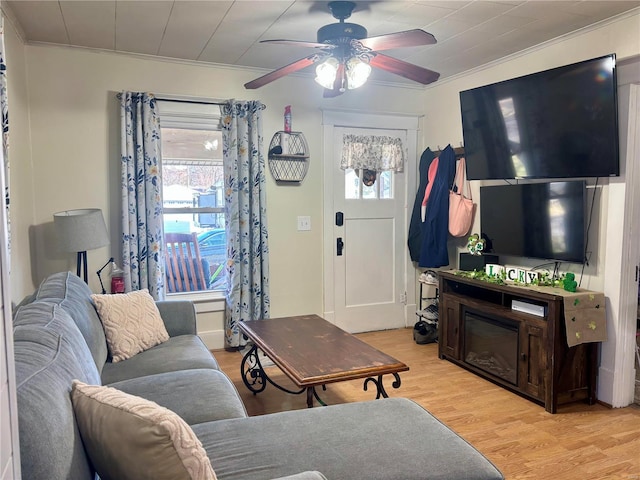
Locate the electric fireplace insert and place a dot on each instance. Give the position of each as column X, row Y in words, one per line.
column 491, row 344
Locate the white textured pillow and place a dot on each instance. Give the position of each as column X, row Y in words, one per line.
column 129, row 437
column 132, row 323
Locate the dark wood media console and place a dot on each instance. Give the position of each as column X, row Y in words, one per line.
column 539, row 364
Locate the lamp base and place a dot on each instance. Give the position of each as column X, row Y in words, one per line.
column 81, row 264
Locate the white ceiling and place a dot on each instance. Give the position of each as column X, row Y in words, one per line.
column 469, row 33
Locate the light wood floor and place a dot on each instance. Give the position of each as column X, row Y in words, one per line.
column 580, row 442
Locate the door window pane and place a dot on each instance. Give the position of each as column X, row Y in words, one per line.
column 355, row 188
column 351, row 184
column 385, row 180
column 370, row 191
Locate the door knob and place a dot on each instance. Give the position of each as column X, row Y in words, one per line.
column 339, row 246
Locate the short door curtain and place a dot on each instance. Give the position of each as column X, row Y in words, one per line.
column 377, row 153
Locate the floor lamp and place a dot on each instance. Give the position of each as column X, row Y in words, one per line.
column 79, row 231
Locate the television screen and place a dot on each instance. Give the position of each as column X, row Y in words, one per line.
column 535, row 220
column 560, row 123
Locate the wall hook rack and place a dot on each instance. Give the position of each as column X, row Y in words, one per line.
column 459, row 151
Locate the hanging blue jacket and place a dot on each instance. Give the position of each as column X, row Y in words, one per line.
column 415, row 226
column 435, row 228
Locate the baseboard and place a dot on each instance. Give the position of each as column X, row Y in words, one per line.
column 410, row 315
column 213, row 339
column 605, row 385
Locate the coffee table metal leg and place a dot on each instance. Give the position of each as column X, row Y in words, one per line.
column 312, row 393
column 381, row 392
column 255, row 378
column 252, row 372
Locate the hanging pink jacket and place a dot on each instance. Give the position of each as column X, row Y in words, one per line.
column 433, row 169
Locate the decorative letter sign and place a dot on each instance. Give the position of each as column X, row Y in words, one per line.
column 514, row 274
column 531, row 276
column 493, row 269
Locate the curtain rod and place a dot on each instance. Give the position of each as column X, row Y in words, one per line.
column 197, row 102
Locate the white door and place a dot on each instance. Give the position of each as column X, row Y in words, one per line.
column 370, row 245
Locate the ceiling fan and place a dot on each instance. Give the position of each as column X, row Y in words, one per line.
column 345, row 54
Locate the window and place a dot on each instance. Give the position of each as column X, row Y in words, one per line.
column 368, row 162
column 193, row 192
column 380, row 185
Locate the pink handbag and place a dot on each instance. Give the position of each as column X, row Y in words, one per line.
column 461, row 208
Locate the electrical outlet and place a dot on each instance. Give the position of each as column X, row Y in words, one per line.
column 304, row 223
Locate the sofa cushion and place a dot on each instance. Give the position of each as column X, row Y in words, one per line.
column 179, row 317
column 50, row 442
column 390, row 439
column 51, row 316
column 128, row 437
column 132, row 323
column 200, row 395
column 72, row 294
column 178, row 353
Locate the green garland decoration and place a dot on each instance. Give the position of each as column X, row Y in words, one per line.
column 544, row 278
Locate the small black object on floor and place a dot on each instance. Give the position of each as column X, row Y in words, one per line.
column 425, row 332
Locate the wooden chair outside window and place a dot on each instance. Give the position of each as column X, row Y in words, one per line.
column 186, row 270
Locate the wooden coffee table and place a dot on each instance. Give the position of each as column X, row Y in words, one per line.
column 313, row 352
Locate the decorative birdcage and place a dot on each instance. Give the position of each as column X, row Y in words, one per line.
column 288, row 157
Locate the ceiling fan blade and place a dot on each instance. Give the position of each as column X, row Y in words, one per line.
column 282, row 71
column 404, row 69
column 409, row 38
column 299, row 43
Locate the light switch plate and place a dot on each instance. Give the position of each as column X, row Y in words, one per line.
column 304, row 223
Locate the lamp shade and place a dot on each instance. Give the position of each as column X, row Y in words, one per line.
column 80, row 230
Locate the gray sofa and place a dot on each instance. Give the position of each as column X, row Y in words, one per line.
column 58, row 337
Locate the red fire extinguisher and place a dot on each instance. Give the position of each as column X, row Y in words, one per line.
column 117, row 279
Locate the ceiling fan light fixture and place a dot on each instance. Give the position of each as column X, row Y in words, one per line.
column 345, row 54
column 326, row 72
column 357, row 71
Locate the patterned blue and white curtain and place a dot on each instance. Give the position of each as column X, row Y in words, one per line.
column 246, row 212
column 4, row 108
column 142, row 227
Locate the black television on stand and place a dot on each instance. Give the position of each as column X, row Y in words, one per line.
column 559, row 123
column 535, row 220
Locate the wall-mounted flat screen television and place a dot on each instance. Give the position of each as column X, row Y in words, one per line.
column 559, row 123
column 535, row 220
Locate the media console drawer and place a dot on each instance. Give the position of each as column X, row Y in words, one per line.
column 523, row 351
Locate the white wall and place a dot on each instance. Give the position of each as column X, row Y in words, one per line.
column 9, row 446
column 74, row 124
